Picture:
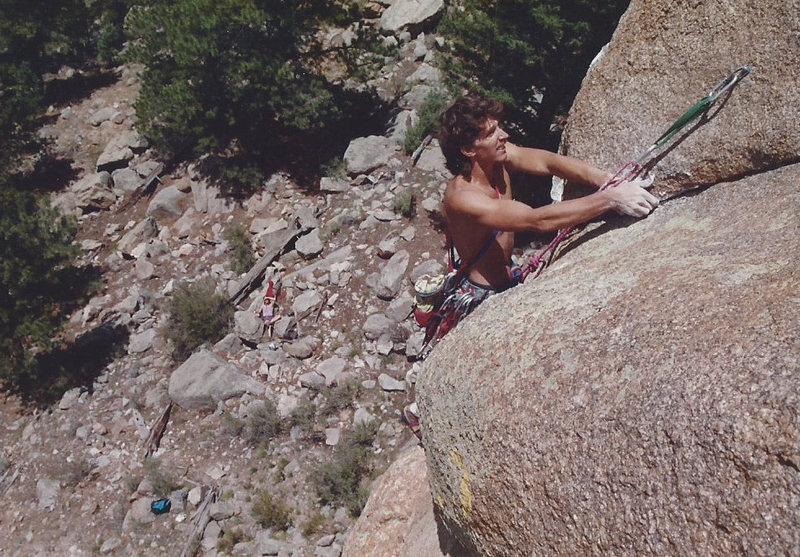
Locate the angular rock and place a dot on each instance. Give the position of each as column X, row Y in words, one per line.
column 392, row 275
column 309, row 246
column 331, row 369
column 93, row 192
column 365, row 154
column 142, row 342
column 301, row 349
column 410, row 15
column 333, row 185
column 120, row 150
column 306, row 303
column 69, row 398
column 637, row 404
column 144, row 230
column 168, row 202
column 432, row 160
column 332, row 436
column 400, row 308
column 362, row 416
column 47, row 493
column 205, row 379
column 378, row 324
column 389, row 383
column 144, row 269
column 312, row 380
column 103, row 115
column 126, row 179
column 248, row 326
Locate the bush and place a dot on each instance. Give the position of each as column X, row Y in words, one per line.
column 263, row 422
column 163, row 482
column 403, row 202
column 343, row 479
column 241, row 251
column 340, row 397
column 197, row 314
column 269, row 512
column 221, row 72
column 427, row 117
column 303, row 416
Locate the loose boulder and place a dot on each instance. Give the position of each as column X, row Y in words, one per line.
column 410, row 14
column 205, row 379
column 365, row 154
column 167, row 203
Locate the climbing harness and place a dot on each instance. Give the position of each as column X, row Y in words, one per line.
column 458, row 295
column 632, row 168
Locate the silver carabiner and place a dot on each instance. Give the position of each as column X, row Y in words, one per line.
column 726, row 84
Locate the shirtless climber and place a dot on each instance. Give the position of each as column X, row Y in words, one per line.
column 478, row 200
column 481, row 214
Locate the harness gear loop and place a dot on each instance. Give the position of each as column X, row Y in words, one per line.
column 633, row 167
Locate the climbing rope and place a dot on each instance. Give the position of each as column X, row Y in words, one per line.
column 633, row 167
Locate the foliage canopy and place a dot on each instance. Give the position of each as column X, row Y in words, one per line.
column 241, row 76
column 529, row 54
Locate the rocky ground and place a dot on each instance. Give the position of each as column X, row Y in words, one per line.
column 74, row 477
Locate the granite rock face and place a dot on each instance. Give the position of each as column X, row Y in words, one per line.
column 663, row 57
column 399, row 519
column 641, row 397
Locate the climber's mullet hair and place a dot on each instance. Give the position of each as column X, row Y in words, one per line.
column 461, row 124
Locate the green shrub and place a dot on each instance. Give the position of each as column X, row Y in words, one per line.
column 241, row 256
column 303, row 416
column 403, row 202
column 39, row 286
column 197, row 314
column 270, row 512
column 343, row 479
column 427, row 117
column 263, row 422
column 341, row 396
column 312, row 525
column 163, row 482
column 229, row 539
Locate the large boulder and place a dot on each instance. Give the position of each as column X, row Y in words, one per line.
column 206, row 379
column 167, row 203
column 411, row 15
column 666, row 55
column 641, row 397
column 365, row 154
column 120, row 150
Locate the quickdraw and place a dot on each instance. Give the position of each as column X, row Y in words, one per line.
column 632, row 168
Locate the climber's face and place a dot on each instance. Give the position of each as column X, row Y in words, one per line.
column 490, row 145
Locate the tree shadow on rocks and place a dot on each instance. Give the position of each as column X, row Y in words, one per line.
column 62, row 91
column 305, row 155
column 77, row 364
column 49, row 174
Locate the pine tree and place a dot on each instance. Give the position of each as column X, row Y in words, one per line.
column 529, row 54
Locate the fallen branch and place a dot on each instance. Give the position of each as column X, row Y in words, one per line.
column 201, row 520
column 156, row 432
column 144, row 188
column 255, row 275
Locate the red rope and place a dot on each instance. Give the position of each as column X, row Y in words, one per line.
column 539, row 261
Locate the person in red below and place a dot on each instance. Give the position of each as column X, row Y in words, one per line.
column 480, row 212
